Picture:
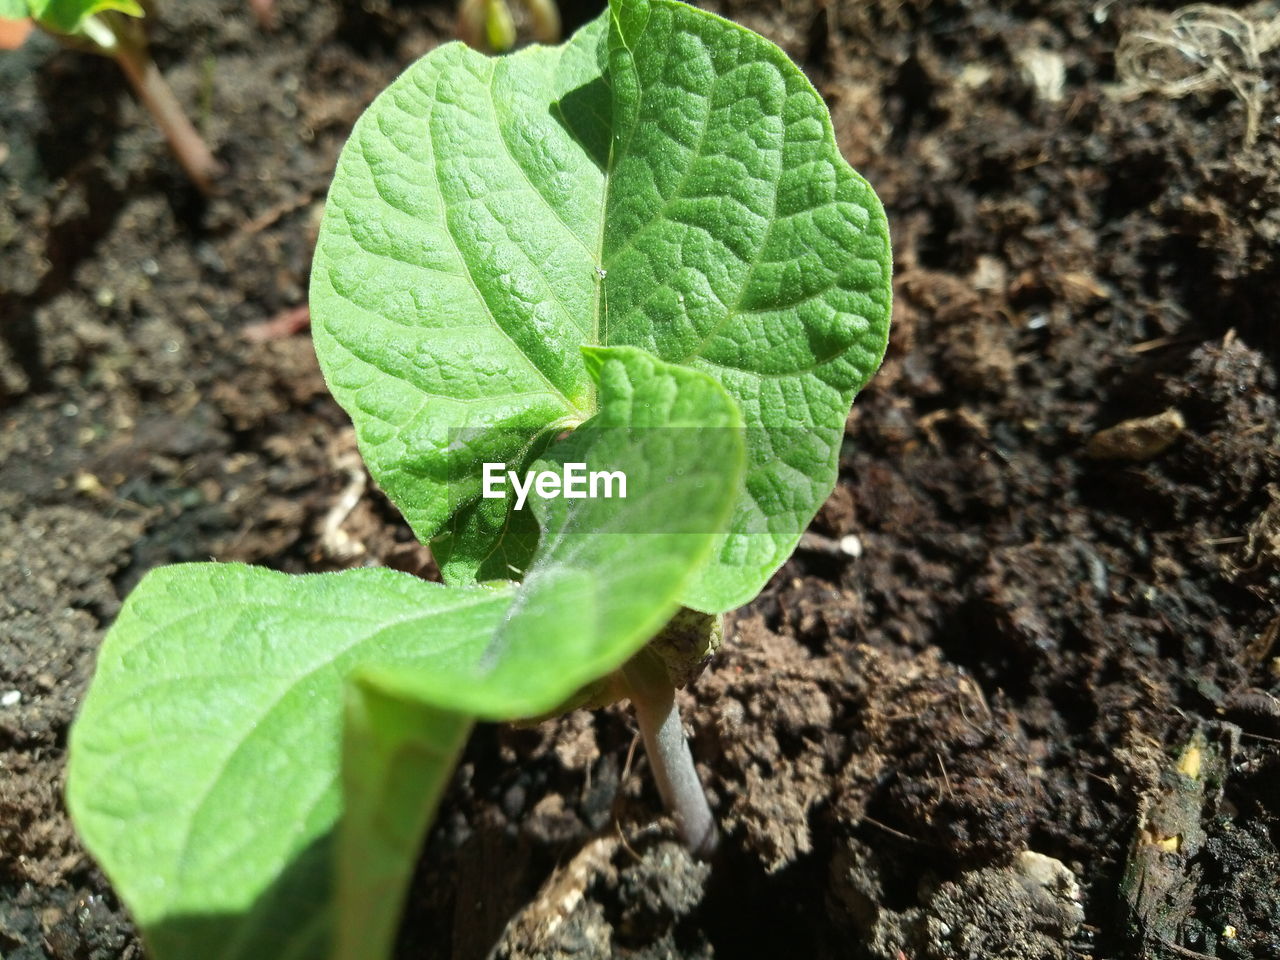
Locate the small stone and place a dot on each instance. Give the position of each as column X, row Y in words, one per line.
column 1045, row 876
column 852, row 545
column 1138, row 439
column 11, row 699
column 1045, row 70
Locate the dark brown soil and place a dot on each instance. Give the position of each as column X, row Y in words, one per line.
column 957, row 737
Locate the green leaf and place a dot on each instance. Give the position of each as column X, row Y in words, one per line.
column 14, row 10
column 666, row 180
column 204, row 766
column 739, row 242
column 398, row 753
column 67, row 16
column 597, row 591
column 448, row 293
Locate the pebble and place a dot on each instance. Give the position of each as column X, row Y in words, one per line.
column 1139, row 439
column 851, row 545
column 11, row 699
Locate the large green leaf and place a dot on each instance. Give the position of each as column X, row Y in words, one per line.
column 67, row 16
column 666, row 180
column 204, row 766
column 737, row 240
column 204, row 763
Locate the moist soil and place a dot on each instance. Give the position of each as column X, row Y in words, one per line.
column 1015, row 696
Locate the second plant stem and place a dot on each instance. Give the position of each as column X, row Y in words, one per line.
column 187, row 144
column 122, row 38
column 654, row 699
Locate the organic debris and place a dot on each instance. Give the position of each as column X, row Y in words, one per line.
column 1199, row 48
column 1138, row 439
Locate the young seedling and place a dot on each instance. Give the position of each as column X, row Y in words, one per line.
column 637, row 254
column 113, row 28
column 488, row 25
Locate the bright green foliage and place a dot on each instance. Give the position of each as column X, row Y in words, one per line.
column 204, row 763
column 666, row 180
column 396, row 751
column 65, row 16
column 204, row 770
column 639, row 251
column 738, row 241
column 448, row 295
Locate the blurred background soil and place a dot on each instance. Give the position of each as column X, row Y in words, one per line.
column 1017, row 693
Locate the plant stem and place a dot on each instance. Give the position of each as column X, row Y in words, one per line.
column 264, row 11
column 187, row 144
column 654, row 699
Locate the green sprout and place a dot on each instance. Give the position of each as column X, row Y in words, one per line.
column 489, row 26
column 598, row 313
column 113, row 28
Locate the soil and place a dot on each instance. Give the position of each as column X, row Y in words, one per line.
column 1017, row 695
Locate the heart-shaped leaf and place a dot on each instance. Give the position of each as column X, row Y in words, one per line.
column 667, row 180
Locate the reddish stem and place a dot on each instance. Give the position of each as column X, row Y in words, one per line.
column 284, row 324
column 13, row 33
column 264, row 11
column 185, row 141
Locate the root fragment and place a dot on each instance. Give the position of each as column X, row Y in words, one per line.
column 1200, row 48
